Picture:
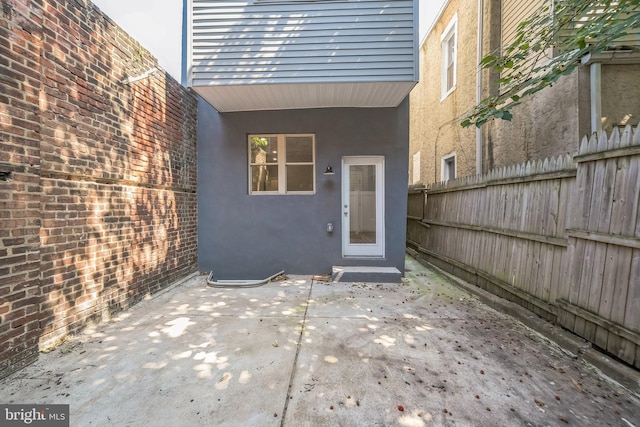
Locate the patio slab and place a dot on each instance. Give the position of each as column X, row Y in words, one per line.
column 305, row 353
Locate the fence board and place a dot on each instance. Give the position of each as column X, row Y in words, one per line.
column 606, row 297
column 560, row 237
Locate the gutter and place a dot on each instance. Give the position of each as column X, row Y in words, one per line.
column 479, row 135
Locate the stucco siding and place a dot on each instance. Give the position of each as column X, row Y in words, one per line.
column 435, row 130
column 545, row 125
column 253, row 236
column 620, row 95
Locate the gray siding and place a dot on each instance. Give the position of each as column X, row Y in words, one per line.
column 514, row 12
column 242, row 236
column 265, row 42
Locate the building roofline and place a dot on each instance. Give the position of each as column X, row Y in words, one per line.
column 435, row 21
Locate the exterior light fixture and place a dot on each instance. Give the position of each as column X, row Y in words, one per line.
column 329, row 170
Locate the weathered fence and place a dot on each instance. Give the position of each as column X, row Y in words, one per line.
column 560, row 237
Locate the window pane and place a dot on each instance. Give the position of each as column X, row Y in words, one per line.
column 362, row 204
column 451, row 43
column 451, row 58
column 450, row 77
column 451, row 166
column 264, row 149
column 299, row 149
column 299, row 178
column 264, row 178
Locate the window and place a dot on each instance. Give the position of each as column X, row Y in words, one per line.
column 282, row 164
column 448, row 167
column 416, row 167
column 448, row 43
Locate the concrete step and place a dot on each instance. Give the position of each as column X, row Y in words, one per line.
column 366, row 274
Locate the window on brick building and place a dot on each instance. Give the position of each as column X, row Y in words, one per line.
column 448, row 43
column 448, row 167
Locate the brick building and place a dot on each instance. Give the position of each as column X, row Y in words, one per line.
column 97, row 174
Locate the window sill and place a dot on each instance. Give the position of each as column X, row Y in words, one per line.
column 446, row 95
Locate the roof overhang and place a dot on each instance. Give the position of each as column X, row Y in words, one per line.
column 257, row 97
column 619, row 56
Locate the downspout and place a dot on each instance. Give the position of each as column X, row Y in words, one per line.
column 596, row 97
column 595, row 86
column 479, row 142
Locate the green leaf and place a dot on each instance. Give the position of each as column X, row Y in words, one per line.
column 487, row 60
column 576, row 28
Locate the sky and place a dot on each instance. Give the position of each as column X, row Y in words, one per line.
column 157, row 25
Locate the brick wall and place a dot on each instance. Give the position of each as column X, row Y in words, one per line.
column 97, row 174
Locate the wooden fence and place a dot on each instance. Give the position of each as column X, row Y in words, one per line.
column 561, row 237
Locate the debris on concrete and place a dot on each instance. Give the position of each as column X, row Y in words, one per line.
column 419, row 353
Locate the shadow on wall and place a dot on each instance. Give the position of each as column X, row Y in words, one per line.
column 118, row 173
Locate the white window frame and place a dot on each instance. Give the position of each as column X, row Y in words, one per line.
column 444, row 169
column 416, row 167
column 450, row 35
column 282, row 162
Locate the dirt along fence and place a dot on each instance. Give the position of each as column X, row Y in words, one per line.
column 560, row 237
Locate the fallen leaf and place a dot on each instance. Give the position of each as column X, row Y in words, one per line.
column 577, row 384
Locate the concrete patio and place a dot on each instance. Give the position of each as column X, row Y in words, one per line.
column 301, row 352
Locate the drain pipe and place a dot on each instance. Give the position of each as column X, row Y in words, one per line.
column 240, row 283
column 479, row 141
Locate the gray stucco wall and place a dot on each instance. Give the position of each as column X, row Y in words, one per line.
column 548, row 124
column 620, row 96
column 244, row 236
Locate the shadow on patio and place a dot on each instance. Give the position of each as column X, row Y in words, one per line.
column 304, row 353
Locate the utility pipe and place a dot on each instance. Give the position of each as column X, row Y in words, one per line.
column 239, row 283
column 479, row 141
column 596, row 97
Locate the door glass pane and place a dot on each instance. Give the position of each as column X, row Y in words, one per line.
column 362, row 204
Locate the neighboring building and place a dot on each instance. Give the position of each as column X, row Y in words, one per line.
column 288, row 90
column 550, row 123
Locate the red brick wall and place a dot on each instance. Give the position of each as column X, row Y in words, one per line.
column 97, row 174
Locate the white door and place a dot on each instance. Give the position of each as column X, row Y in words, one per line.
column 363, row 206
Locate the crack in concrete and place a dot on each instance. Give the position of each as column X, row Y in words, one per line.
column 295, row 359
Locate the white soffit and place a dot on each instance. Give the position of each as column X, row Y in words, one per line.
column 256, row 97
